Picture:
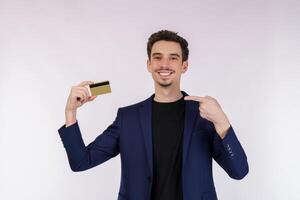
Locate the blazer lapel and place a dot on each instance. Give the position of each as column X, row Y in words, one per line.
column 145, row 112
column 191, row 111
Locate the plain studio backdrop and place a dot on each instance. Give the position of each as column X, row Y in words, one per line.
column 243, row 53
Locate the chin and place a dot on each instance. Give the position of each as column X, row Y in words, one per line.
column 164, row 84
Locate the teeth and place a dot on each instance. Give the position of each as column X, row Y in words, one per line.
column 164, row 73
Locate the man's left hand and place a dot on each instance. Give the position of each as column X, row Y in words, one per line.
column 210, row 109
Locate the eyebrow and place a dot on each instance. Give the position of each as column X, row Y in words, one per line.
column 175, row 54
column 172, row 54
column 156, row 54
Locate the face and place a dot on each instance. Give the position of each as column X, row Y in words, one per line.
column 166, row 64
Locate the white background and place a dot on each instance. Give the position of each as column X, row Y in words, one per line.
column 243, row 53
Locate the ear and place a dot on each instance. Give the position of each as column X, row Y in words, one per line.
column 148, row 66
column 185, row 66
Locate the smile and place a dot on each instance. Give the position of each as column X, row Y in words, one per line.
column 165, row 73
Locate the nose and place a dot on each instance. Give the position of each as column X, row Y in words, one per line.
column 164, row 62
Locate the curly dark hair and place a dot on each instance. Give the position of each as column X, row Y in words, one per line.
column 168, row 36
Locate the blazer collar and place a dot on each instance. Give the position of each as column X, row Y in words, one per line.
column 145, row 114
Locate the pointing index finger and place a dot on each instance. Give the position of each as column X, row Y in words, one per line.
column 194, row 98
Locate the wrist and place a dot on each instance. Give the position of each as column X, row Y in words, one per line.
column 222, row 128
column 70, row 117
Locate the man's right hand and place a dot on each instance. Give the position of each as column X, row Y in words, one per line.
column 79, row 95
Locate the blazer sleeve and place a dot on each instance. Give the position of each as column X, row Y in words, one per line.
column 104, row 147
column 229, row 154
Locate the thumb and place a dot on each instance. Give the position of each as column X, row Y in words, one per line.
column 91, row 98
column 84, row 83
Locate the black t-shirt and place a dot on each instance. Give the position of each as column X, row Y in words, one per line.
column 167, row 133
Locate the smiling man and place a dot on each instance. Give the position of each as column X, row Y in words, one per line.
column 166, row 142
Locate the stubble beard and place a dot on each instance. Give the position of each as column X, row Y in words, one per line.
column 164, row 85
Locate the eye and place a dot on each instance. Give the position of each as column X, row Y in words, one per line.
column 174, row 58
column 156, row 58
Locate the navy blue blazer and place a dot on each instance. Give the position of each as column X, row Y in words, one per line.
column 130, row 135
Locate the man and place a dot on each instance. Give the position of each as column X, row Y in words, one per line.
column 166, row 142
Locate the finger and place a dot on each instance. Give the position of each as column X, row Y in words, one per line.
column 80, row 95
column 85, row 90
column 202, row 106
column 211, row 98
column 194, row 98
column 81, row 89
column 85, row 83
column 91, row 98
column 202, row 115
column 201, row 110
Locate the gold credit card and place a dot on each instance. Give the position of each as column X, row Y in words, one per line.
column 99, row 88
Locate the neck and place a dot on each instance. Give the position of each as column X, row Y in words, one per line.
column 168, row 94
